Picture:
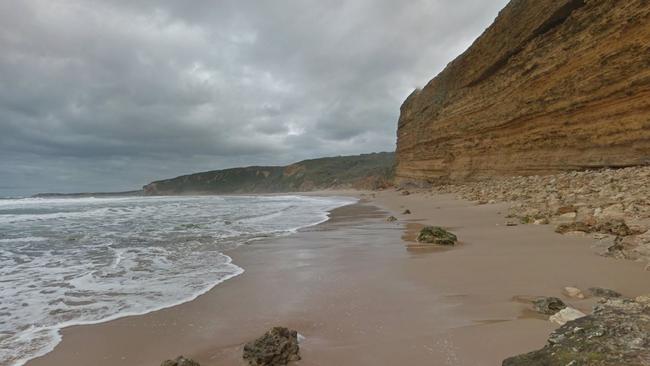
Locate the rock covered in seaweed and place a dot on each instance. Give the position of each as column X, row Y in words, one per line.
column 180, row 361
column 617, row 333
column 278, row 346
column 436, row 235
column 548, row 305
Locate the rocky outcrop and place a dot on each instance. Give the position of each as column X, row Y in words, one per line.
column 277, row 347
column 367, row 171
column 548, row 305
column 617, row 333
column 552, row 85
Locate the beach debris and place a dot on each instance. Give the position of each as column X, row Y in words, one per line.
column 180, row 361
column 617, row 333
column 548, row 305
column 574, row 292
column 406, row 212
column 603, row 292
column 278, row 346
column 566, row 315
column 436, row 235
column 391, row 219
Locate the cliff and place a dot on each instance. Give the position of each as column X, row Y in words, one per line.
column 368, row 171
column 552, row 85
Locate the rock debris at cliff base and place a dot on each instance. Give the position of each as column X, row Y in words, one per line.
column 612, row 205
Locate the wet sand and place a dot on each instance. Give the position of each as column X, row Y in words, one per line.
column 362, row 294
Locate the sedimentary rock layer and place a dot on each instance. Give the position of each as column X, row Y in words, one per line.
column 552, row 85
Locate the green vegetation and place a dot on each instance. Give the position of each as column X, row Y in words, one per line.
column 367, row 171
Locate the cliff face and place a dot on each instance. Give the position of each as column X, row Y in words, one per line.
column 368, row 171
column 552, row 85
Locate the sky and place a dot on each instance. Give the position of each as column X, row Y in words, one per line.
column 99, row 95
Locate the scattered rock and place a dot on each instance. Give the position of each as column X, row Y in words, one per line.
column 180, row 361
column 406, row 212
column 279, row 346
column 405, row 193
column 573, row 292
column 511, row 223
column 616, row 334
column 391, row 219
column 436, row 235
column 548, row 305
column 603, row 292
column 566, row 315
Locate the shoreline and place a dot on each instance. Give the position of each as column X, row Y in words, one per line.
column 459, row 308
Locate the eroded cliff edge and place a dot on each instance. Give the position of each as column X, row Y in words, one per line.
column 552, row 85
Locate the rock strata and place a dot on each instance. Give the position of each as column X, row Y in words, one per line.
column 277, row 347
column 617, row 333
column 550, row 86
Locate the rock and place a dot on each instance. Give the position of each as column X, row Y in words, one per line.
column 180, row 361
column 643, row 299
column 548, row 305
column 436, row 235
column 405, row 193
column 536, row 92
column 406, row 212
column 542, row 221
column 613, row 212
column 573, row 292
column 603, row 292
column 566, row 315
column 279, row 346
column 616, row 334
column 391, row 219
column 511, row 223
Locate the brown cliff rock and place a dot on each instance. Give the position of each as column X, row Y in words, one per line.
column 552, row 85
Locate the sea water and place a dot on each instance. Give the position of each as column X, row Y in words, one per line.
column 71, row 261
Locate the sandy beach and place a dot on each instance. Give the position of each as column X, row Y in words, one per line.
column 362, row 293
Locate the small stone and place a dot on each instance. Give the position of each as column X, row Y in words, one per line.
column 574, row 292
column 391, row 219
column 643, row 299
column 566, row 315
column 542, row 221
column 406, row 212
column 511, row 223
column 405, row 193
column 548, row 305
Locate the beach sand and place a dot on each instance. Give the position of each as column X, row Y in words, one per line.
column 362, row 294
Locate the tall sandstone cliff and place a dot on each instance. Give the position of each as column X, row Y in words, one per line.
column 552, row 85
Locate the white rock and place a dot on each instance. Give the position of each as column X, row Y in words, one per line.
column 574, row 292
column 566, row 315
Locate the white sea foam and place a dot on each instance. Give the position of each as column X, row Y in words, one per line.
column 81, row 261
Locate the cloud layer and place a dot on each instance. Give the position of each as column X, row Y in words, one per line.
column 109, row 95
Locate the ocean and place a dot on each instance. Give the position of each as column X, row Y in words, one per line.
column 73, row 261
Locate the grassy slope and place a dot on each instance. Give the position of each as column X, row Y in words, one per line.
column 367, row 171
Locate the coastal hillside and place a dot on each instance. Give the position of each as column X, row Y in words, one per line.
column 367, row 171
column 551, row 86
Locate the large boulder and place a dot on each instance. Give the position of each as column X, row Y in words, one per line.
column 436, row 235
column 279, row 346
column 180, row 361
column 616, row 334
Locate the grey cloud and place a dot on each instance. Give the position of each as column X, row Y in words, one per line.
column 108, row 95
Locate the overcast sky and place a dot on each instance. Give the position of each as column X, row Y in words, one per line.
column 109, row 95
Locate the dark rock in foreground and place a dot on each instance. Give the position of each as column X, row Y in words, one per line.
column 391, row 219
column 436, row 235
column 617, row 333
column 180, row 361
column 279, row 346
column 548, row 305
column 406, row 212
